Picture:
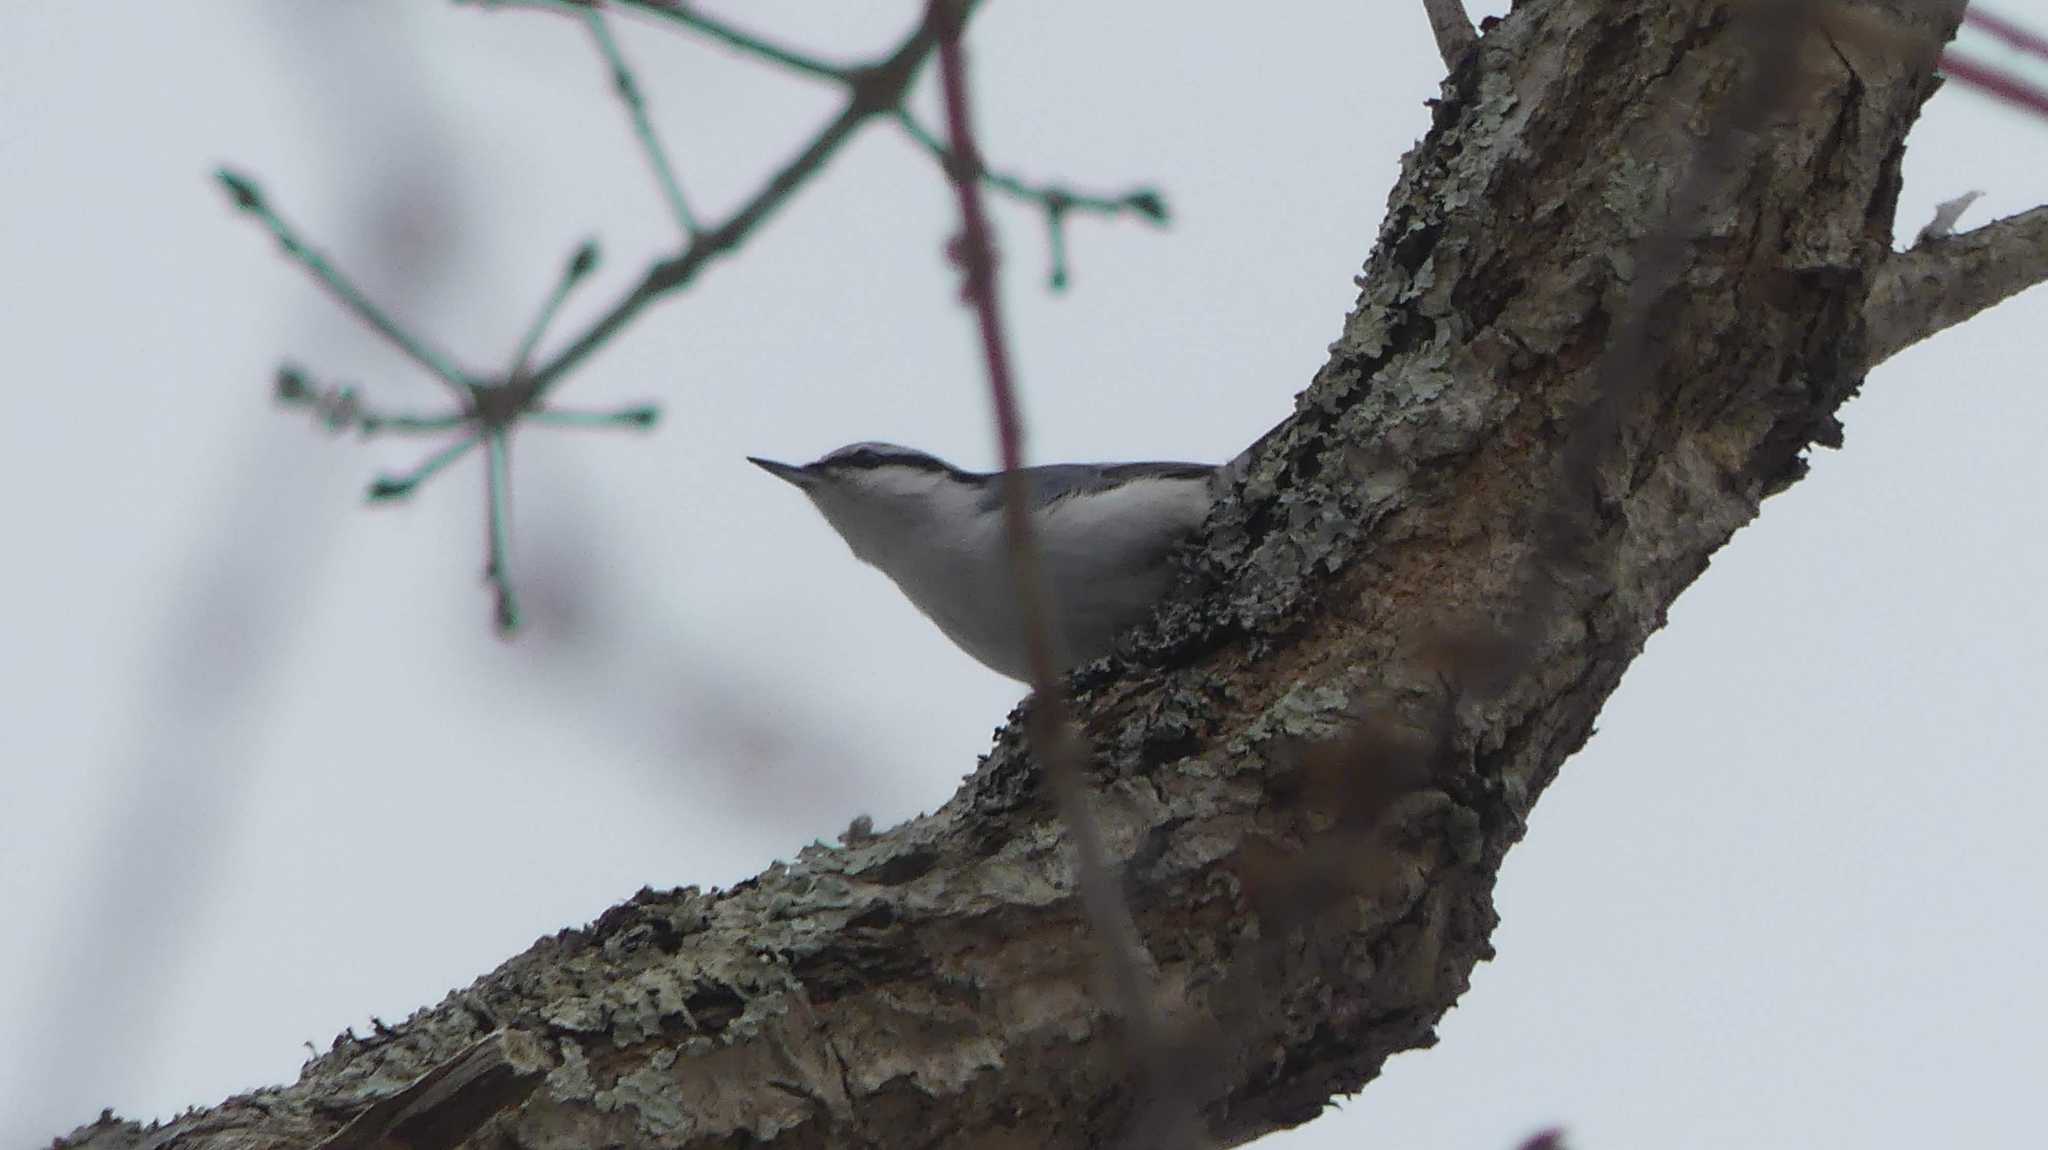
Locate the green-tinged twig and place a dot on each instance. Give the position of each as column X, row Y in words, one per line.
column 1054, row 200
column 581, row 264
column 492, row 409
column 249, row 199
column 750, row 43
column 798, row 62
column 1146, row 202
column 875, row 90
column 636, row 106
column 638, row 417
column 377, row 423
column 391, row 488
column 1056, row 242
column 498, row 511
column 682, row 15
column 341, row 408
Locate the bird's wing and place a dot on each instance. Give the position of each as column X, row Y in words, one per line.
column 1056, row 481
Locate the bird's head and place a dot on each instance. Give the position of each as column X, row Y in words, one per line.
column 871, row 493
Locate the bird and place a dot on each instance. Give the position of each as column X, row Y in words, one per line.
column 1104, row 533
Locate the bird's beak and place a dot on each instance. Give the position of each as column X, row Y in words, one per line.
column 788, row 473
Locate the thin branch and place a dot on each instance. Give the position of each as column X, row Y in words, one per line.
column 682, row 15
column 876, row 91
column 638, row 417
column 1453, row 29
column 581, row 264
column 340, row 408
column 795, row 61
column 2006, row 86
column 392, row 488
column 492, row 408
column 406, row 423
column 636, row 105
column 1055, row 742
column 498, row 529
column 249, row 198
column 1939, row 284
column 1054, row 200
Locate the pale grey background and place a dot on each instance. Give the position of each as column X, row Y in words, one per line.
column 267, row 773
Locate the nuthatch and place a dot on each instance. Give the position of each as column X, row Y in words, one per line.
column 1103, row 531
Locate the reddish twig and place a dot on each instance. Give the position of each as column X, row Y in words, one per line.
column 1056, row 746
column 1994, row 81
column 2004, row 29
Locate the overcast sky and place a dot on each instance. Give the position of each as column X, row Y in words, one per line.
column 267, row 773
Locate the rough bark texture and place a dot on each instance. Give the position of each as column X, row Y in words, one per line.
column 1307, row 780
column 1946, row 280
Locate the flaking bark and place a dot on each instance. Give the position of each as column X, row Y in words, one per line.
column 1303, row 769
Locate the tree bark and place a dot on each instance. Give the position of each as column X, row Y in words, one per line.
column 1312, row 765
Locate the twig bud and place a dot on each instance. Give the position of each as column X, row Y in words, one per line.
column 246, row 195
column 1149, row 203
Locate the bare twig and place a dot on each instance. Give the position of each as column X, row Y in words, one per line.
column 1057, row 746
column 498, row 530
column 581, row 263
column 642, row 415
column 492, row 407
column 673, row 274
column 682, row 15
column 873, row 89
column 339, row 407
column 388, row 488
column 1453, row 29
column 801, row 63
column 636, row 107
column 1993, row 81
column 1551, row 1139
column 249, row 198
column 2012, row 34
column 1942, row 282
column 1055, row 200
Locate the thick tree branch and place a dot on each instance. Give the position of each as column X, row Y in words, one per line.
column 1306, row 800
column 1943, row 281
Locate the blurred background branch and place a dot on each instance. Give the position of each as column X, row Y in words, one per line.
column 1058, row 746
column 491, row 408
